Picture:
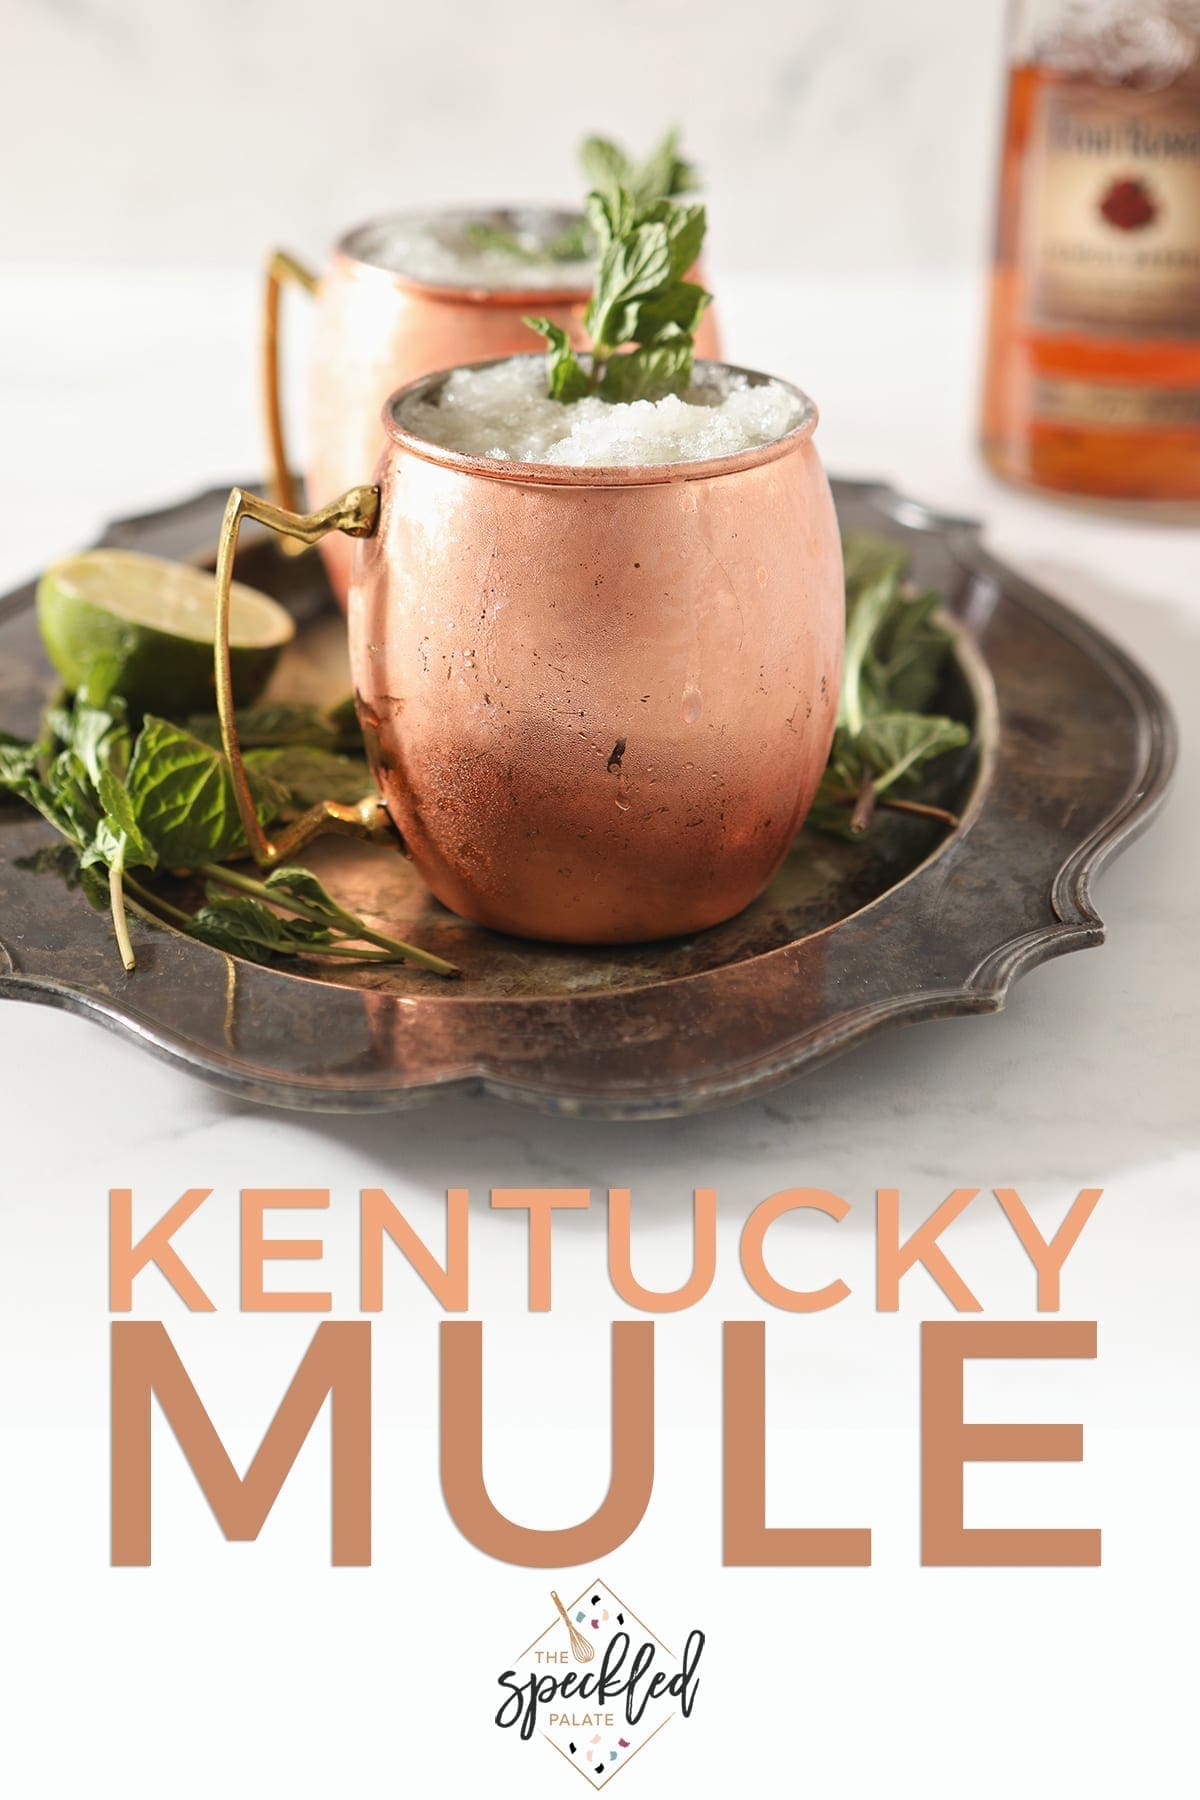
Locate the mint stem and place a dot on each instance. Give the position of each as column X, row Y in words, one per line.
column 920, row 809
column 864, row 807
column 355, row 927
column 116, row 895
column 362, row 956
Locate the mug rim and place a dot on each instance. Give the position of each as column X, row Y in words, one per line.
column 540, row 474
column 348, row 248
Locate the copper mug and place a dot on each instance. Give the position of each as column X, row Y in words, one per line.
column 597, row 701
column 375, row 330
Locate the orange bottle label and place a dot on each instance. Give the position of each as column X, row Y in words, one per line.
column 1112, row 212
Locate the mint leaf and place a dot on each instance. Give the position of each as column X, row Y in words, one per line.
column 869, row 596
column 287, row 725
column 905, row 661
column 638, row 298
column 26, row 785
column 610, row 216
column 18, row 764
column 649, row 373
column 605, row 165
column 99, row 736
column 183, row 799
column 41, row 796
column 247, row 927
column 118, row 808
column 294, row 883
column 895, row 649
column 116, row 845
column 664, row 172
column 283, row 723
column 118, row 841
column 895, row 746
column 75, row 804
column 176, row 807
column 309, row 775
column 685, row 227
column 679, row 308
column 632, row 268
column 895, row 654
column 567, row 379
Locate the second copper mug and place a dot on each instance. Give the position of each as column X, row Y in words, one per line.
column 597, row 701
column 376, row 328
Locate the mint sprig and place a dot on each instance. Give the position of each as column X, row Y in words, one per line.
column 643, row 314
column 566, row 377
column 886, row 737
column 165, row 801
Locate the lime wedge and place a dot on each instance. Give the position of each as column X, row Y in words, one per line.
column 118, row 622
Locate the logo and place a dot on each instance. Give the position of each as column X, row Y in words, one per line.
column 1128, row 204
column 597, row 1684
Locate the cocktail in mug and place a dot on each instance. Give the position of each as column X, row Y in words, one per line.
column 596, row 647
column 404, row 296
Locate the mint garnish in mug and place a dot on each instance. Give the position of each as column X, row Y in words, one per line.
column 643, row 314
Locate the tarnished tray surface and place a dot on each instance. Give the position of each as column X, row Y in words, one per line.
column 1073, row 751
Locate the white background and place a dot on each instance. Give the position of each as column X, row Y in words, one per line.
column 245, row 1669
column 846, row 134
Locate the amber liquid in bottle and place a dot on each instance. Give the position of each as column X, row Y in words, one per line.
column 1092, row 384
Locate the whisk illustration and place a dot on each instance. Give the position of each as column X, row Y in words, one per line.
column 581, row 1648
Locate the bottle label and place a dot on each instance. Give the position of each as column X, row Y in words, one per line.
column 1110, row 405
column 1113, row 211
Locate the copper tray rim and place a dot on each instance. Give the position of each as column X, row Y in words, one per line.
column 1076, row 924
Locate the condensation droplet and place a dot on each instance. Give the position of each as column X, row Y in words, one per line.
column 691, row 705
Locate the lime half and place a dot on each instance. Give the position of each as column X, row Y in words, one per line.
column 118, row 622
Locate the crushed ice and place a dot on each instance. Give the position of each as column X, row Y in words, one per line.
column 439, row 248
column 503, row 411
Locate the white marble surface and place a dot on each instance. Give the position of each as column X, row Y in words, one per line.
column 832, row 133
column 116, row 395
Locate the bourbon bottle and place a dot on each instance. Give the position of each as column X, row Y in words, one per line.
column 1092, row 383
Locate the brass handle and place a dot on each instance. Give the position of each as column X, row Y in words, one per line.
column 280, row 268
column 356, row 513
